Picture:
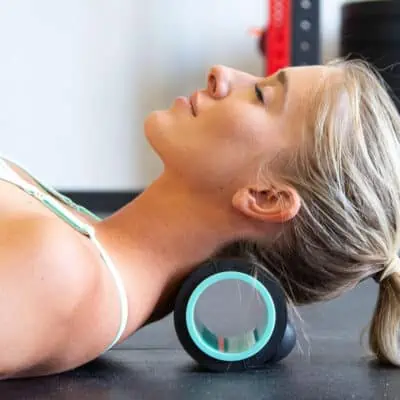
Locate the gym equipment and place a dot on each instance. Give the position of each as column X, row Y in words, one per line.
column 292, row 34
column 370, row 9
column 255, row 334
column 370, row 30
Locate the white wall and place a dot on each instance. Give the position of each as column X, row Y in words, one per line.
column 77, row 77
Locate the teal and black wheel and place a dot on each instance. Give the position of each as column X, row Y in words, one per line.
column 226, row 318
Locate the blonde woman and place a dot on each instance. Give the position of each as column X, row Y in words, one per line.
column 300, row 171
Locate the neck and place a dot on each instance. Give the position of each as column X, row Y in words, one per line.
column 162, row 235
column 170, row 227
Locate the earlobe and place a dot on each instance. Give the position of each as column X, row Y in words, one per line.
column 274, row 205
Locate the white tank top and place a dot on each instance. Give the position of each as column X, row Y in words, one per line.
column 57, row 203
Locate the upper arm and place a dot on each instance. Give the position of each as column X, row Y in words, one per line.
column 41, row 284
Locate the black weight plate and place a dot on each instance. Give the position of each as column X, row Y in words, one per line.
column 377, row 31
column 370, row 20
column 370, row 8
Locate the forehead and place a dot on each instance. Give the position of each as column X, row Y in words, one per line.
column 307, row 82
column 308, row 77
column 315, row 76
column 307, row 87
column 310, row 71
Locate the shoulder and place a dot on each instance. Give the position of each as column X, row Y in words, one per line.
column 46, row 257
column 47, row 275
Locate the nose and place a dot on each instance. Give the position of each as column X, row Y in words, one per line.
column 222, row 80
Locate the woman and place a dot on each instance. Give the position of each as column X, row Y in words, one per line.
column 301, row 169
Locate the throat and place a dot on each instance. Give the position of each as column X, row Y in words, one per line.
column 169, row 229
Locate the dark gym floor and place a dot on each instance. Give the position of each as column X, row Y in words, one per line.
column 152, row 365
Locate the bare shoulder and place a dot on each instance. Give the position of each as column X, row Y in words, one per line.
column 47, row 271
column 45, row 252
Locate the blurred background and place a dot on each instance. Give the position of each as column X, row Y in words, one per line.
column 78, row 77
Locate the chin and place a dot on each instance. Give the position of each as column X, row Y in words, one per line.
column 155, row 127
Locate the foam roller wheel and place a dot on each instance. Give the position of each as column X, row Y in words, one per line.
column 205, row 347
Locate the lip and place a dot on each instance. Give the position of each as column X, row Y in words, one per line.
column 185, row 102
column 194, row 101
column 190, row 103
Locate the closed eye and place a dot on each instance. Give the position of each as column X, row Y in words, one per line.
column 259, row 93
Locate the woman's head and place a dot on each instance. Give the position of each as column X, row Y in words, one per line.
column 318, row 158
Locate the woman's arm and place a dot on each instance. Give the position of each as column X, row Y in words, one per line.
column 41, row 287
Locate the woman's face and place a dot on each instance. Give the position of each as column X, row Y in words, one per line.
column 222, row 134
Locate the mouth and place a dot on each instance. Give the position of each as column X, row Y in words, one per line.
column 193, row 103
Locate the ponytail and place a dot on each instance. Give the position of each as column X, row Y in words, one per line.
column 385, row 324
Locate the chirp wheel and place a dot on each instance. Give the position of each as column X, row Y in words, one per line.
column 228, row 318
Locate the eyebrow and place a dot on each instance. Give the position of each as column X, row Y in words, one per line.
column 283, row 80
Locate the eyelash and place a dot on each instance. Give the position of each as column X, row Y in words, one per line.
column 259, row 94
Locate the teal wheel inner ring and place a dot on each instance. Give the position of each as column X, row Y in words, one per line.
column 204, row 339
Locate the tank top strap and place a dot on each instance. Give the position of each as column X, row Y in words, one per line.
column 9, row 175
column 57, row 204
column 49, row 189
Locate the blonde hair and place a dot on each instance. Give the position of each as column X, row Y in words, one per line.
column 347, row 173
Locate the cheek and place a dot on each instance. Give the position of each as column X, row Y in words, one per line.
column 247, row 130
column 228, row 145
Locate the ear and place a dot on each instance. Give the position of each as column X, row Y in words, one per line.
column 268, row 204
